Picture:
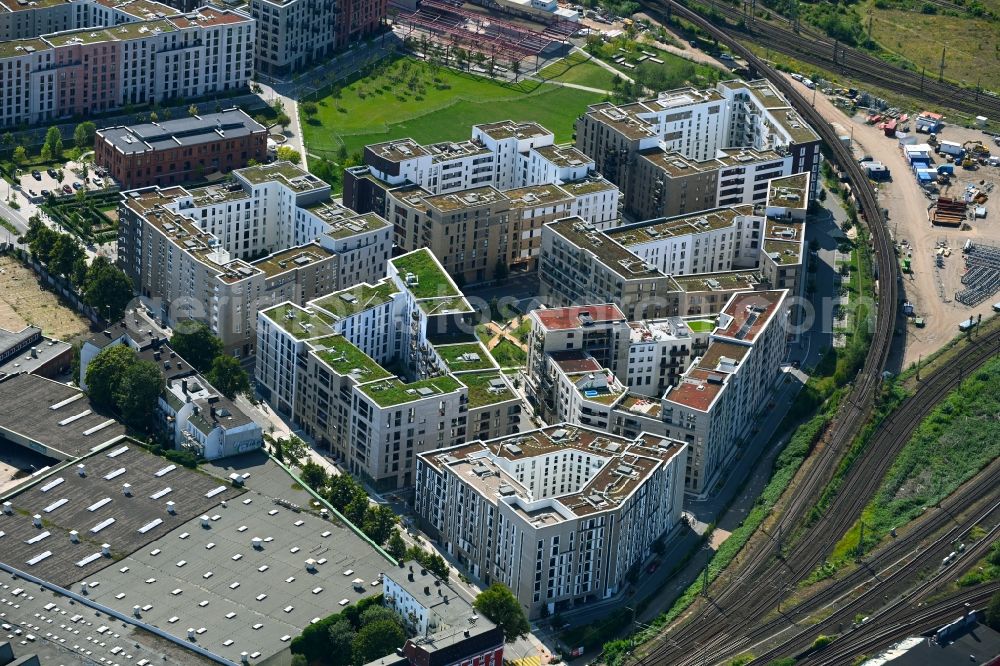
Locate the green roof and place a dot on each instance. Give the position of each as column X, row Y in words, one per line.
column 481, row 393
column 434, row 306
column 299, row 322
column 358, row 298
column 431, row 280
column 452, row 356
column 344, row 358
column 394, row 392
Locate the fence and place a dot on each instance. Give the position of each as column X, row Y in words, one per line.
column 57, row 285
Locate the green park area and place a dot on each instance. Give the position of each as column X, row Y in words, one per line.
column 579, row 69
column 405, row 97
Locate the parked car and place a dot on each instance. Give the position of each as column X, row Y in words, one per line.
column 77, row 185
column 67, row 189
column 52, row 173
column 46, row 193
column 97, row 181
column 36, row 174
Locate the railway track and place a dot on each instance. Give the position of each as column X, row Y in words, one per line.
column 739, row 606
column 728, row 625
column 815, row 48
column 898, row 623
column 885, row 574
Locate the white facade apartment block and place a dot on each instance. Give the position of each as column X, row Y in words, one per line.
column 183, row 248
column 559, row 515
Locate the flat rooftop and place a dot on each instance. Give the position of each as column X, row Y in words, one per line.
column 680, row 225
column 698, row 389
column 465, row 356
column 719, row 351
column 237, row 597
column 486, row 388
column 723, row 281
column 560, row 319
column 292, row 259
column 33, row 357
column 563, row 156
column 190, row 131
column 95, row 505
column 588, row 185
column 429, row 280
column 299, row 322
column 392, row 392
column 353, row 225
column 506, row 129
column 658, row 330
column 471, row 198
column 574, row 361
column 288, row 174
column 399, row 150
column 52, row 418
column 748, row 313
column 361, row 297
column 344, row 358
column 789, row 191
column 71, row 634
column 537, row 195
column 604, row 249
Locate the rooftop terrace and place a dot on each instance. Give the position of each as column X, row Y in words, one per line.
column 486, row 388
column 429, row 279
column 465, row 356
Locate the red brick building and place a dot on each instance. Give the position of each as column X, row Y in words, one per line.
column 179, row 151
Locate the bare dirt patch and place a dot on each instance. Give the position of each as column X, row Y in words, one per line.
column 24, row 302
column 930, row 289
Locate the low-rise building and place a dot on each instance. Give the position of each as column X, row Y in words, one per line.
column 559, row 515
column 28, row 350
column 447, row 630
column 182, row 150
column 219, row 254
column 326, row 366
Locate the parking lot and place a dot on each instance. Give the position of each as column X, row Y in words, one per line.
column 36, row 182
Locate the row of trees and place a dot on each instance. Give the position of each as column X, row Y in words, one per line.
column 359, row 634
column 121, row 383
column 194, row 342
column 52, row 148
column 347, row 496
column 102, row 285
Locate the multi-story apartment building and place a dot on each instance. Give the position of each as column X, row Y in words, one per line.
column 324, row 366
column 665, row 184
column 483, row 233
column 294, row 34
column 714, row 405
column 116, row 54
column 218, row 254
column 682, row 266
column 505, row 155
column 697, row 380
column 176, row 151
column 681, row 150
column 559, row 515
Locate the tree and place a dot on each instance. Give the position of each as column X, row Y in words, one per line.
column 395, row 546
column 376, row 640
column 193, row 110
column 20, row 155
column 154, row 117
column 341, row 642
column 309, row 108
column 104, row 371
column 83, row 135
column 137, row 392
column 194, row 342
column 378, row 523
column 357, row 508
column 295, row 449
column 107, row 289
column 993, row 612
column 54, row 143
column 377, row 614
column 282, row 119
column 314, row 476
column 342, row 490
column 288, row 153
column 64, row 255
column 227, row 375
column 500, row 605
column 299, row 660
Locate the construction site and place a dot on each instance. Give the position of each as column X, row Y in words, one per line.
column 933, row 222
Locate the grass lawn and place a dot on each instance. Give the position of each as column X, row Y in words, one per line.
column 701, row 326
column 580, row 69
column 509, row 355
column 954, row 442
column 972, row 44
column 673, row 72
column 410, row 98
